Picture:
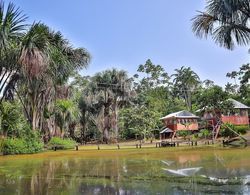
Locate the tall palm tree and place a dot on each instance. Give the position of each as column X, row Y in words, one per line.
column 121, row 93
column 185, row 82
column 114, row 88
column 47, row 61
column 226, row 21
column 34, row 60
column 12, row 25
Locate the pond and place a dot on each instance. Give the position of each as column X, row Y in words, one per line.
column 131, row 171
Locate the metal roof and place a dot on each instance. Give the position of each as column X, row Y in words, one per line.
column 167, row 130
column 237, row 104
column 180, row 114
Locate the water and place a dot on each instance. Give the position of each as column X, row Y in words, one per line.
column 134, row 171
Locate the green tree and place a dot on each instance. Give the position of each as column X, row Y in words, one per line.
column 12, row 24
column 185, row 82
column 213, row 99
column 47, row 60
column 65, row 112
column 227, row 22
column 12, row 123
column 113, row 88
column 243, row 75
column 155, row 75
column 139, row 121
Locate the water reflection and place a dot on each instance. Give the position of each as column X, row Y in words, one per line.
column 221, row 172
column 184, row 172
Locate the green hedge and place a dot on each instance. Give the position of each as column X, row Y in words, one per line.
column 21, row 146
column 61, row 143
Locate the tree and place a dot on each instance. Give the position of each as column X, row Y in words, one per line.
column 11, row 122
column 227, row 22
column 139, row 121
column 243, row 89
column 185, row 82
column 213, row 99
column 47, row 61
column 155, row 75
column 12, row 22
column 113, row 87
column 65, row 112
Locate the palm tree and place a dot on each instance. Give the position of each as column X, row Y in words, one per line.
column 12, row 25
column 34, row 60
column 113, row 89
column 121, row 93
column 65, row 112
column 47, row 61
column 227, row 22
column 185, row 82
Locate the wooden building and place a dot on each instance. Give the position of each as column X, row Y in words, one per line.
column 182, row 120
column 239, row 115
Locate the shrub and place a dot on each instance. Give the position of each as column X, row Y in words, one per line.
column 61, row 143
column 241, row 129
column 226, row 130
column 183, row 133
column 21, row 146
column 204, row 133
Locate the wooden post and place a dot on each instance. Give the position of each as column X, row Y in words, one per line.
column 118, row 146
column 76, row 147
column 196, row 143
column 140, row 145
column 192, row 143
column 55, row 148
column 98, row 148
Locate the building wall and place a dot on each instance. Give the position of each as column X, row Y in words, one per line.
column 179, row 124
column 236, row 120
column 192, row 126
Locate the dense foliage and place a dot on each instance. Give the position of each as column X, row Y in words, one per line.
column 26, row 145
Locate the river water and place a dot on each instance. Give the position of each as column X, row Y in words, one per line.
column 133, row 171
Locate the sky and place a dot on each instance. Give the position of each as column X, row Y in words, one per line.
column 125, row 33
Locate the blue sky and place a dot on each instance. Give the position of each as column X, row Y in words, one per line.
column 125, row 33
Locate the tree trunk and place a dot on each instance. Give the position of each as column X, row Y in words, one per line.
column 34, row 117
column 115, row 120
column 106, row 123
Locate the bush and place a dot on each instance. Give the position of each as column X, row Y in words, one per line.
column 183, row 133
column 61, row 143
column 204, row 133
column 240, row 129
column 21, row 146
